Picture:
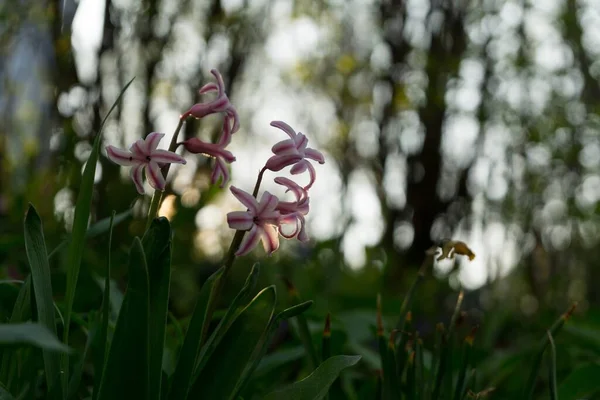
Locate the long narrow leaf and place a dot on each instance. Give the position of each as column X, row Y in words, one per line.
column 232, row 313
column 581, row 384
column 263, row 344
column 126, row 372
column 302, row 327
column 191, row 344
column 35, row 246
column 316, row 385
column 96, row 229
column 219, row 378
column 75, row 380
column 541, row 348
column 552, row 369
column 157, row 247
column 100, row 342
column 33, row 334
column 80, row 225
column 21, row 312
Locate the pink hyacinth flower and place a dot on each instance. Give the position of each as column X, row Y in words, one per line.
column 294, row 151
column 222, row 156
column 293, row 212
column 219, row 105
column 261, row 220
column 143, row 154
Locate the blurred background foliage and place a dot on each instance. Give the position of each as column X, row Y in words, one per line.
column 460, row 118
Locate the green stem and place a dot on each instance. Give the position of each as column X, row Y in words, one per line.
column 158, row 194
column 235, row 245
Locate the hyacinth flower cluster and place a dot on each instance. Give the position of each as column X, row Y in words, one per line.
column 265, row 219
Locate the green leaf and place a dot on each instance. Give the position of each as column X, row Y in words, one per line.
column 316, row 385
column 75, row 380
column 541, row 348
column 107, row 224
column 191, row 345
column 581, row 383
column 222, row 375
column 21, row 313
column 35, row 246
column 96, row 229
column 126, row 372
column 80, row 225
column 34, row 334
column 157, row 247
column 232, row 313
column 5, row 394
column 294, row 311
column 100, row 341
column 262, row 345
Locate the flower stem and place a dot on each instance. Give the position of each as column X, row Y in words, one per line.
column 235, row 245
column 158, row 194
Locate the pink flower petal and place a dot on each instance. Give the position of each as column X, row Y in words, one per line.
column 292, row 186
column 240, row 220
column 301, row 142
column 284, row 147
column 232, row 112
column 250, row 241
column 246, row 199
column 225, row 138
column 121, row 157
column 138, row 148
column 270, row 238
column 220, row 83
column 152, row 140
column 155, row 176
column 209, row 87
column 277, row 163
column 220, row 170
column 136, row 174
column 284, row 127
column 289, row 220
column 197, row 146
column 267, row 203
column 167, row 157
column 314, row 155
column 313, row 175
column 299, row 167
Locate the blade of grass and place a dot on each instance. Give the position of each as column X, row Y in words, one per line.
column 80, row 225
column 401, row 355
column 541, row 347
column 316, row 385
column 407, row 302
column 263, row 343
column 552, row 369
column 411, row 377
column 391, row 388
column 191, row 345
column 326, row 342
column 157, row 247
column 100, row 342
column 96, row 229
column 467, row 348
column 220, row 378
column 21, row 312
column 419, row 369
column 34, row 334
column 237, row 305
column 75, row 380
column 445, row 353
column 303, row 331
column 35, row 247
column 126, row 372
